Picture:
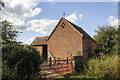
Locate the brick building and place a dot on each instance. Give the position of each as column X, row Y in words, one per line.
column 66, row 40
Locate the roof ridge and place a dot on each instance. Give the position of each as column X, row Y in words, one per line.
column 42, row 37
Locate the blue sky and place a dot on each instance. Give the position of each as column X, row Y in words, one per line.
column 87, row 15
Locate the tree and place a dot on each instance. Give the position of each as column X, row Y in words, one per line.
column 19, row 61
column 117, row 40
column 9, row 34
column 105, row 39
column 2, row 4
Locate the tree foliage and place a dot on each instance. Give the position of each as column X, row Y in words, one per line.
column 107, row 39
column 19, row 61
column 9, row 34
column 2, row 4
column 117, row 39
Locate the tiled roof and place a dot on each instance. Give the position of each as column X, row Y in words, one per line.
column 40, row 41
column 81, row 31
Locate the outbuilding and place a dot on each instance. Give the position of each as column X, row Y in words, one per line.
column 66, row 40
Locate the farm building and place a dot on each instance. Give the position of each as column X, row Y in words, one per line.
column 66, row 40
column 41, row 45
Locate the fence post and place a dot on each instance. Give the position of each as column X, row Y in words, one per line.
column 50, row 62
column 55, row 61
column 71, row 64
column 67, row 60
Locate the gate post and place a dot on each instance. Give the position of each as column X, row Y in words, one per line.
column 55, row 61
column 50, row 63
column 67, row 60
column 71, row 64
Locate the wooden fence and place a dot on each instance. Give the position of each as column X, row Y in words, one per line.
column 56, row 68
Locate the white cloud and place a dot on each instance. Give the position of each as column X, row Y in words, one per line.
column 19, row 12
column 73, row 18
column 111, row 18
column 80, row 16
column 43, row 26
column 113, row 21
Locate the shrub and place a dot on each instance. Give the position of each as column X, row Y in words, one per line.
column 80, row 67
column 20, row 62
column 105, row 66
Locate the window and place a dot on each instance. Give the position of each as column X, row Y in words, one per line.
column 63, row 24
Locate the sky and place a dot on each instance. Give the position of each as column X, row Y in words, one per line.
column 37, row 19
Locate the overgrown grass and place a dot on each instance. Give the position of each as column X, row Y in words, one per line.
column 105, row 66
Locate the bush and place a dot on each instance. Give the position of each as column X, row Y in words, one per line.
column 105, row 66
column 20, row 62
column 80, row 67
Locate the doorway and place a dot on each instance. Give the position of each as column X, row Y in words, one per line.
column 44, row 52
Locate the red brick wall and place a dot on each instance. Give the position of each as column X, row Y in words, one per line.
column 39, row 49
column 89, row 47
column 65, row 41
